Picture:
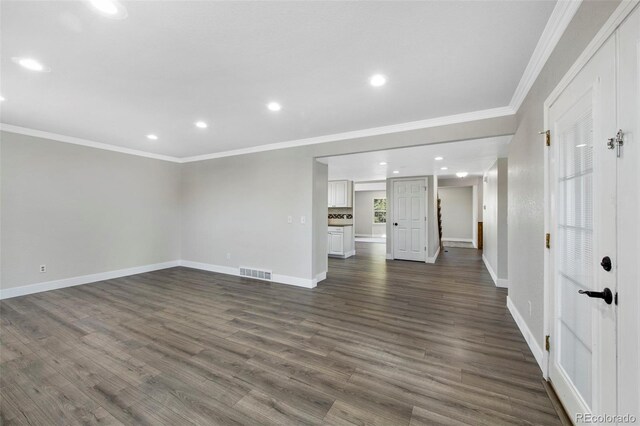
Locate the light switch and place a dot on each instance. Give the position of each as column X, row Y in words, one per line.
column 303, row 219
column 289, row 219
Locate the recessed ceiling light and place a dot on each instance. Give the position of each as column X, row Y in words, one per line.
column 274, row 106
column 201, row 124
column 462, row 174
column 109, row 8
column 444, row 168
column 439, row 158
column 383, row 163
column 30, row 64
column 152, row 137
column 378, row 80
column 395, row 172
column 582, row 145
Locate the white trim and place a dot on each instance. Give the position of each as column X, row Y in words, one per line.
column 374, row 131
column 458, row 240
column 83, row 279
column 614, row 21
column 502, row 283
column 558, row 22
column 320, row 277
column 228, row 270
column 536, row 349
column 389, row 256
column 494, row 277
column 345, row 255
column 84, row 142
column 609, row 27
column 433, row 258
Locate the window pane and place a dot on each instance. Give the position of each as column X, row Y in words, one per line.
column 379, row 204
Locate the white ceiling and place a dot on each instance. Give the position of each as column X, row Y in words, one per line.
column 171, row 63
column 471, row 156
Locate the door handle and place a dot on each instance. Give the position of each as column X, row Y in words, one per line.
column 605, row 294
column 606, row 263
column 395, row 224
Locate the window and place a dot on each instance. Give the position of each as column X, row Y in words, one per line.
column 379, row 210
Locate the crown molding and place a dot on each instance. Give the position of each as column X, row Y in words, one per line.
column 558, row 22
column 84, row 142
column 374, row 131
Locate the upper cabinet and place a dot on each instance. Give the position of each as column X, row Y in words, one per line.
column 340, row 193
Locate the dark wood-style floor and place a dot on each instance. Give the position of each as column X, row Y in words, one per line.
column 378, row 342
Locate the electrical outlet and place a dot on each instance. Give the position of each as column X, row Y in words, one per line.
column 289, row 219
column 303, row 219
column 529, row 307
column 229, row 256
column 43, row 268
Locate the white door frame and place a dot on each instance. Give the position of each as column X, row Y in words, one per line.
column 612, row 24
column 391, row 213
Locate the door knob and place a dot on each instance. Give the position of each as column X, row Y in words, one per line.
column 395, row 224
column 606, row 263
column 605, row 294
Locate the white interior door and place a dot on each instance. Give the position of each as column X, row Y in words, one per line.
column 582, row 359
column 409, row 220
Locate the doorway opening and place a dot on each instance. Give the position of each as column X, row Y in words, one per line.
column 384, row 205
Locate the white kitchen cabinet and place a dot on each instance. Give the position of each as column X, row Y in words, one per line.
column 336, row 243
column 340, row 241
column 340, row 193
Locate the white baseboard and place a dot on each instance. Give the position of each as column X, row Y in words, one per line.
column 389, row 256
column 228, row 270
column 320, row 277
column 458, row 240
column 536, row 349
column 83, row 279
column 499, row 282
column 434, row 257
column 490, row 269
column 344, row 256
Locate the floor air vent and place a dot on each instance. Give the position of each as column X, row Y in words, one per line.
column 255, row 273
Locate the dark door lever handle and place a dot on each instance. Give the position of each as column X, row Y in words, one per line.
column 605, row 294
column 395, row 224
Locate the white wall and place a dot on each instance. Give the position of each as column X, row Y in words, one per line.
column 495, row 226
column 82, row 211
column 235, row 210
column 457, row 213
column 363, row 214
column 320, row 218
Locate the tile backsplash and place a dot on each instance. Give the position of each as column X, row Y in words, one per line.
column 340, row 216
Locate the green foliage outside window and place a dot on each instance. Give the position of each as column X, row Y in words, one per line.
column 379, row 210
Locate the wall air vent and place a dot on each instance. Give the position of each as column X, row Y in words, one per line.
column 258, row 274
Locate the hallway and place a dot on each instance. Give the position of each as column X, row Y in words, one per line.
column 378, row 342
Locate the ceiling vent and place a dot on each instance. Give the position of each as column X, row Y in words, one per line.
column 258, row 274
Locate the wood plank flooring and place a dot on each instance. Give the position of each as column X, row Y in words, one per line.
column 378, row 342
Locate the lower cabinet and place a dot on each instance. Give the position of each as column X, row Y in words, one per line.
column 340, row 241
column 336, row 243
